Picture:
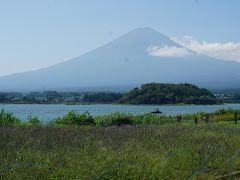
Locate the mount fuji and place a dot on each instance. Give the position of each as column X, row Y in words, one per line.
column 141, row 56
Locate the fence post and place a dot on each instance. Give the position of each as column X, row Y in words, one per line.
column 179, row 118
column 235, row 117
column 196, row 120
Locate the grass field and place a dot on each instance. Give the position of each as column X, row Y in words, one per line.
column 125, row 152
column 120, row 146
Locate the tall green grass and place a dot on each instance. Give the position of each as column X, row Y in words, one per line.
column 124, row 152
column 120, row 146
column 7, row 118
column 74, row 118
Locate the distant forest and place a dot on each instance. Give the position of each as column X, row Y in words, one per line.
column 152, row 93
column 54, row 97
column 155, row 93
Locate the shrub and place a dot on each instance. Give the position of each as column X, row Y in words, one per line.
column 74, row 118
column 226, row 111
column 115, row 119
column 7, row 118
column 33, row 120
column 150, row 118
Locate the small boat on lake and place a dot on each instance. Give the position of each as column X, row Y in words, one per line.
column 156, row 111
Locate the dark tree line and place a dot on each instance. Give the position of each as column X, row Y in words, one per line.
column 152, row 93
column 155, row 93
column 102, row 97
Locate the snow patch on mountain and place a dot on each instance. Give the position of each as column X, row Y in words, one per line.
column 168, row 51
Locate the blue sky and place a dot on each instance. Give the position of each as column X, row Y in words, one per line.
column 35, row 34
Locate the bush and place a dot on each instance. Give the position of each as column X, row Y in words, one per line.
column 7, row 118
column 33, row 120
column 226, row 111
column 150, row 118
column 74, row 118
column 115, row 119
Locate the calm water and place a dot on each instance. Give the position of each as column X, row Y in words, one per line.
column 48, row 112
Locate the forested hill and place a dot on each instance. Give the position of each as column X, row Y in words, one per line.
column 155, row 93
column 152, row 93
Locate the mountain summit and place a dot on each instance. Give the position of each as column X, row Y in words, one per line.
column 142, row 55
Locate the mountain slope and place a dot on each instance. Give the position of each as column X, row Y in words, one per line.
column 126, row 62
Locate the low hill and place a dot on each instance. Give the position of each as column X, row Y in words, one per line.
column 156, row 93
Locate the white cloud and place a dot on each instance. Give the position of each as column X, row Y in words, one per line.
column 224, row 51
column 168, row 51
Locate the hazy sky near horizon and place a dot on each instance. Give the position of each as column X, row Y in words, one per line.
column 36, row 34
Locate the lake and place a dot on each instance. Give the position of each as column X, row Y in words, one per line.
column 48, row 112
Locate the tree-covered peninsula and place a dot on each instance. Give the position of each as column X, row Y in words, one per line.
column 157, row 93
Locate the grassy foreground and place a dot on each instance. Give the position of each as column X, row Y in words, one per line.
column 126, row 152
column 120, row 146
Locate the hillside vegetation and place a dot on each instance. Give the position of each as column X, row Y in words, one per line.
column 156, row 93
column 152, row 93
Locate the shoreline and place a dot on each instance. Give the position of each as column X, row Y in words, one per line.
column 117, row 104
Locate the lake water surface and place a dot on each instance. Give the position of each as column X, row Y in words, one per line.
column 48, row 112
